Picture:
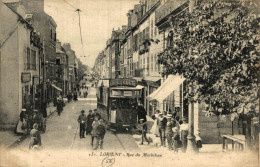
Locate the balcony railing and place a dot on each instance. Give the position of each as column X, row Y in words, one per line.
column 167, row 9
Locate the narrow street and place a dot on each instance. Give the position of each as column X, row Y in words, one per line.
column 63, row 147
column 63, row 130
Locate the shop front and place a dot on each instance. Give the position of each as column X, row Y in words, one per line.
column 168, row 97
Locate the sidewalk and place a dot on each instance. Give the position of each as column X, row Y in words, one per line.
column 8, row 138
column 155, row 145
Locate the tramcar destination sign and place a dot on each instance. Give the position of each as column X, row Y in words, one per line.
column 122, row 82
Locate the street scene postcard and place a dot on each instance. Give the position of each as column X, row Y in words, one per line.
column 129, row 83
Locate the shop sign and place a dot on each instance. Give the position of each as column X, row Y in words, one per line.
column 26, row 77
column 116, row 93
column 122, row 82
column 128, row 93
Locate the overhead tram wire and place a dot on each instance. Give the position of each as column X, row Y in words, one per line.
column 70, row 4
column 78, row 11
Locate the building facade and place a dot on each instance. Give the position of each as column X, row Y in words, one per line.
column 20, row 65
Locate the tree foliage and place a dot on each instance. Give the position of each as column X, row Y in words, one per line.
column 215, row 48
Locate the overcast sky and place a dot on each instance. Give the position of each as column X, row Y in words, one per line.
column 98, row 18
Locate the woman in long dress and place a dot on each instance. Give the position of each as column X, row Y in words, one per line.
column 155, row 129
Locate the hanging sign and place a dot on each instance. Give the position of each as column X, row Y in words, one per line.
column 122, row 82
column 26, row 77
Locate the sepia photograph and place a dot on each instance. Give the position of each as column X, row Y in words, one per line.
column 129, row 83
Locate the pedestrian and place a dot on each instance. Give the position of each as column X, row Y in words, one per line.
column 168, row 131
column 59, row 107
column 102, row 132
column 184, row 127
column 44, row 108
column 75, row 96
column 82, row 123
column 155, row 129
column 161, row 126
column 176, row 137
column 95, row 133
column 144, row 131
column 198, row 140
column 35, row 141
column 90, row 119
column 22, row 124
column 96, row 114
column 141, row 113
column 69, row 96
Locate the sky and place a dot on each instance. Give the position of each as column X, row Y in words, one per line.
column 98, row 18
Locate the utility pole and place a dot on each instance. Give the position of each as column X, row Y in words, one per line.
column 191, row 145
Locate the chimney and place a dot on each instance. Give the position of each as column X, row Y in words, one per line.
column 66, row 46
column 33, row 6
column 58, row 44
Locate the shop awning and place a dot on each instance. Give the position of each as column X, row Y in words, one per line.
column 171, row 84
column 152, row 79
column 56, row 87
column 129, row 88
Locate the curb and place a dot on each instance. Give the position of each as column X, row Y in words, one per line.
column 23, row 137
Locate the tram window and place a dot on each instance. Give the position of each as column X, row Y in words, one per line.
column 119, row 103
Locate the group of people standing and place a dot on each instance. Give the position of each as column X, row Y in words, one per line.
column 83, row 92
column 92, row 124
column 170, row 128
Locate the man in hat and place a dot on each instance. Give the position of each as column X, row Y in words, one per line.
column 161, row 126
column 82, row 123
column 184, row 127
column 96, row 114
column 144, row 131
column 141, row 113
column 168, row 131
column 90, row 119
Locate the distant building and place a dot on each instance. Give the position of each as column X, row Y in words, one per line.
column 62, row 68
column 73, row 66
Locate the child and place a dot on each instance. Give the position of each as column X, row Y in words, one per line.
column 102, row 132
column 35, row 141
column 144, row 131
column 94, row 133
column 168, row 131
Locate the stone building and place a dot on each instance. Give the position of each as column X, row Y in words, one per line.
column 20, row 65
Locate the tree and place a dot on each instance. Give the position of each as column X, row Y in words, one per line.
column 215, row 47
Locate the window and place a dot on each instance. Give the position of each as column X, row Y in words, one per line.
column 143, row 37
column 51, row 33
column 147, row 33
column 33, row 60
column 152, row 29
column 55, row 36
column 152, row 62
column 25, row 58
column 155, row 31
column 28, row 59
column 58, row 61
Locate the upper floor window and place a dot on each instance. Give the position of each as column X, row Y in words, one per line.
column 170, row 39
column 152, row 29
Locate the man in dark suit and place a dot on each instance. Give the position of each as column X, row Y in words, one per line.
column 141, row 113
column 161, row 121
column 82, row 123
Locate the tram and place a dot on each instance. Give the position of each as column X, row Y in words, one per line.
column 117, row 100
